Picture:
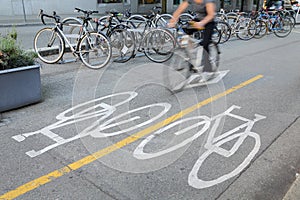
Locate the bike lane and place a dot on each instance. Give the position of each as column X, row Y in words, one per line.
column 80, row 163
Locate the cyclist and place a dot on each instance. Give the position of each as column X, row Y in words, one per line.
column 205, row 14
column 274, row 4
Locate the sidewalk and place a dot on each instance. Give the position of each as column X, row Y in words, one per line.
column 9, row 21
column 32, row 20
column 294, row 191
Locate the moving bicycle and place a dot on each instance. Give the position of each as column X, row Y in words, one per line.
column 204, row 66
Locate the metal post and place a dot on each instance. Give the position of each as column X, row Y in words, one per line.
column 24, row 13
column 242, row 5
column 164, row 6
column 257, row 4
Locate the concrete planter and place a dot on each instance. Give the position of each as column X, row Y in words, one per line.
column 19, row 87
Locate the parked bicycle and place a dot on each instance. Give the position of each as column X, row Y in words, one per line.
column 92, row 48
column 156, row 43
column 241, row 25
column 274, row 21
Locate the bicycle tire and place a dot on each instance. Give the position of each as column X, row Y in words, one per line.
column 122, row 44
column 103, row 22
column 160, row 43
column 95, row 50
column 72, row 27
column 177, row 70
column 261, row 29
column 136, row 21
column 49, row 45
column 185, row 17
column 291, row 14
column 163, row 20
column 216, row 35
column 225, row 31
column 283, row 28
column 246, row 29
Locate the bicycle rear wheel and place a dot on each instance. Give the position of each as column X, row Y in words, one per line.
column 95, row 50
column 177, row 70
column 49, row 45
column 159, row 45
column 72, row 28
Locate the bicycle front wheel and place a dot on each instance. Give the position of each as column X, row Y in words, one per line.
column 49, row 45
column 94, row 50
column 246, row 29
column 159, row 45
column 122, row 43
column 283, row 27
column 261, row 29
column 225, row 31
column 72, row 28
column 216, row 36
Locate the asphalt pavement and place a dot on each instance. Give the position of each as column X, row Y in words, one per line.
column 58, row 80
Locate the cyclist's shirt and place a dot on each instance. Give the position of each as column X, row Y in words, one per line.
column 199, row 9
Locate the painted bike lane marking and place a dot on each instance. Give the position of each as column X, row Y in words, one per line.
column 29, row 186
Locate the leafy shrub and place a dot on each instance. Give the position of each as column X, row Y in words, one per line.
column 11, row 55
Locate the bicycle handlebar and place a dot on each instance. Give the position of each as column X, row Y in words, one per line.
column 87, row 12
column 157, row 9
column 54, row 16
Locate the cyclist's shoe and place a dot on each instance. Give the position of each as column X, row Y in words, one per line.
column 194, row 69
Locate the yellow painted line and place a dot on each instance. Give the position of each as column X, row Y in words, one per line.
column 88, row 159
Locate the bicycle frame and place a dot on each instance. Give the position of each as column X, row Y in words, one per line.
column 234, row 26
column 141, row 33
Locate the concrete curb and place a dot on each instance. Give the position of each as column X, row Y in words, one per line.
column 294, row 191
column 20, row 24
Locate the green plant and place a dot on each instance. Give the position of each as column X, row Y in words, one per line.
column 11, row 55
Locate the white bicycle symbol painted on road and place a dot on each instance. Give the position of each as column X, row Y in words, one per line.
column 212, row 145
column 102, row 111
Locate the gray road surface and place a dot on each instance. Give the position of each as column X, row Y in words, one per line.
column 262, row 167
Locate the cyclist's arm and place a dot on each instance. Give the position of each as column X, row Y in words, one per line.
column 210, row 10
column 181, row 8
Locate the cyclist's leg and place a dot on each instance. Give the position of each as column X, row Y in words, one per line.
column 206, row 41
